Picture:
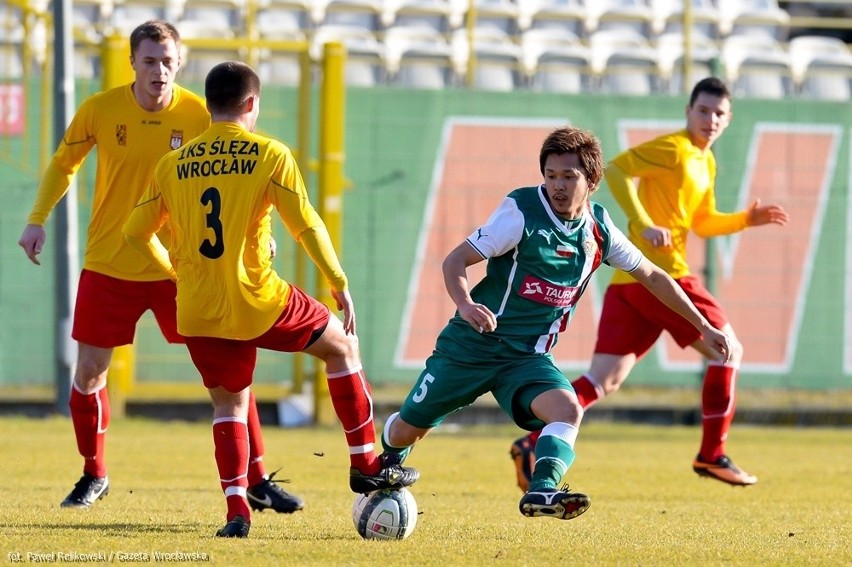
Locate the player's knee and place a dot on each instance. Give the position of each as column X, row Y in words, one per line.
column 346, row 347
column 576, row 412
column 89, row 376
column 570, row 411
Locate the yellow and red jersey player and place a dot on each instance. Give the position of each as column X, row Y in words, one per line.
column 131, row 127
column 675, row 195
column 217, row 194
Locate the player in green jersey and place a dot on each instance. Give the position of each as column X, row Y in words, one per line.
column 542, row 245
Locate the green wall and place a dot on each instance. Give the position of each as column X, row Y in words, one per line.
column 395, row 151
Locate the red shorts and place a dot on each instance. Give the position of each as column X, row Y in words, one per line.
column 229, row 363
column 108, row 309
column 632, row 319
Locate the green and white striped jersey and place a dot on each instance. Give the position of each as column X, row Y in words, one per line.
column 539, row 264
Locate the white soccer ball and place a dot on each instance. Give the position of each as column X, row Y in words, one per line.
column 385, row 514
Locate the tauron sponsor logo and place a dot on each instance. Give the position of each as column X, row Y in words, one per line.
column 542, row 291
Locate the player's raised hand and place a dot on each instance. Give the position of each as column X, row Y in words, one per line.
column 345, row 304
column 32, row 241
column 766, row 214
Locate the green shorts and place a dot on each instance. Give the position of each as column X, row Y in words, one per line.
column 466, row 365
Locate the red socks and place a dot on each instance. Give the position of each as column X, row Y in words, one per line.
column 587, row 391
column 353, row 404
column 717, row 410
column 90, row 416
column 256, row 470
column 230, row 439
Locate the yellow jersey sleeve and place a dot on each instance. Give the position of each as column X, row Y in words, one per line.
column 129, row 141
column 76, row 144
column 141, row 228
column 290, row 198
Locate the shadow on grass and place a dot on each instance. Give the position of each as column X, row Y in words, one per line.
column 115, row 528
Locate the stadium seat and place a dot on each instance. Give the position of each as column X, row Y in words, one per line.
column 631, row 15
column 276, row 66
column 11, row 27
column 358, row 13
column 279, row 68
column 86, row 62
column 365, row 64
column 197, row 62
column 497, row 60
column 418, row 57
column 89, row 19
column 434, row 14
column 569, row 15
column 668, row 17
column 274, row 18
column 703, row 57
column 501, row 15
column 127, row 14
column 623, row 62
column 555, row 60
column 760, row 17
column 821, row 66
column 757, row 67
column 219, row 15
column 11, row 62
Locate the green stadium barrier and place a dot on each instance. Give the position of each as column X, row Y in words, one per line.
column 411, row 155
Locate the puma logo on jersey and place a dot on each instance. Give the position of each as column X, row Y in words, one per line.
column 545, row 233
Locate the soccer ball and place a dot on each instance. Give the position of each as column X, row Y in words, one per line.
column 385, row 514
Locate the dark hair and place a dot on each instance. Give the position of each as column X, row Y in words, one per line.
column 228, row 86
column 155, row 30
column 571, row 140
column 711, row 85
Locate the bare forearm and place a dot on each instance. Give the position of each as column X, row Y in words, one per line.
column 670, row 293
column 455, row 279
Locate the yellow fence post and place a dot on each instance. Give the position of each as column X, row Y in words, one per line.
column 115, row 62
column 303, row 132
column 331, row 148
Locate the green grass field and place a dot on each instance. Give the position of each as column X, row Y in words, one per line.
column 648, row 507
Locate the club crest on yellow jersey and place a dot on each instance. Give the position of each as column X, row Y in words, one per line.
column 176, row 140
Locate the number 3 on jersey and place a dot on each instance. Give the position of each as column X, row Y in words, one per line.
column 216, row 248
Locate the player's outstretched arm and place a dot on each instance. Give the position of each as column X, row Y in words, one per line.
column 670, row 293
column 758, row 214
column 32, row 241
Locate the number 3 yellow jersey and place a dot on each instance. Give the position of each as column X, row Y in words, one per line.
column 217, row 193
